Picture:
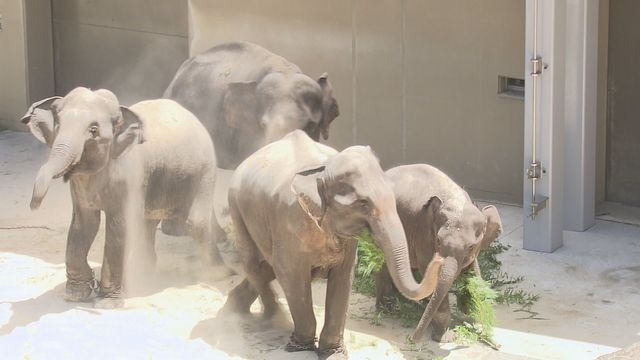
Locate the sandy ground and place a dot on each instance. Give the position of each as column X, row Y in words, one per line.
column 589, row 294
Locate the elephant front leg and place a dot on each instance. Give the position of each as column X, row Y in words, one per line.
column 82, row 232
column 295, row 279
column 384, row 289
column 441, row 321
column 337, row 302
column 113, row 263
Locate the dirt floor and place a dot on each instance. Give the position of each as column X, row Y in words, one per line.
column 589, row 294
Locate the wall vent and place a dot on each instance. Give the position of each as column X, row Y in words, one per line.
column 511, row 87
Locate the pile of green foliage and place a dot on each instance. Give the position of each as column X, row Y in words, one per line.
column 475, row 316
column 476, row 299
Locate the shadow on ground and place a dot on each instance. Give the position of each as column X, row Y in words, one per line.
column 31, row 310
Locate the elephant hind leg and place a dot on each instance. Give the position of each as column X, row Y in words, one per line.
column 150, row 257
column 384, row 289
column 259, row 273
column 200, row 231
column 245, row 294
column 199, row 226
column 240, row 298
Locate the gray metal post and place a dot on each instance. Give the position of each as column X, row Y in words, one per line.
column 580, row 114
column 544, row 126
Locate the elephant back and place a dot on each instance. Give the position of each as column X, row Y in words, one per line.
column 172, row 130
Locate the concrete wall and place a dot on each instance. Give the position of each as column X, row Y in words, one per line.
column 13, row 88
column 132, row 47
column 26, row 58
column 415, row 79
column 623, row 107
column 39, row 55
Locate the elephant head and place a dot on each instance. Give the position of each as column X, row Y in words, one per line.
column 348, row 194
column 83, row 130
column 279, row 104
column 459, row 237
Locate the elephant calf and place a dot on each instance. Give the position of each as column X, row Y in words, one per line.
column 141, row 165
column 438, row 217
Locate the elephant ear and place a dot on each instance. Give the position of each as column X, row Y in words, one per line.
column 240, row 105
column 309, row 189
column 330, row 109
column 40, row 119
column 128, row 131
column 494, row 226
column 432, row 211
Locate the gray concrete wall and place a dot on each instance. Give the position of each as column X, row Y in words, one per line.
column 39, row 54
column 132, row 47
column 623, row 107
column 415, row 79
column 26, row 58
column 13, row 81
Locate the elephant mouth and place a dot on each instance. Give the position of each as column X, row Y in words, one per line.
column 66, row 174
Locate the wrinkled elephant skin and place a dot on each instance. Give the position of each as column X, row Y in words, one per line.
column 247, row 97
column 140, row 165
column 438, row 216
column 296, row 205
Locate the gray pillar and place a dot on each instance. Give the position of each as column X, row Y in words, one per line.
column 580, row 114
column 543, row 232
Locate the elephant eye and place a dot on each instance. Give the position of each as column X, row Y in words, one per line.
column 364, row 205
column 93, row 130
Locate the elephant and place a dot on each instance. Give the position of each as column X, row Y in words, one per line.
column 142, row 164
column 438, row 217
column 296, row 205
column 247, row 97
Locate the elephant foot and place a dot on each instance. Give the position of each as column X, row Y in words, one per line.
column 294, row 345
column 333, row 353
column 109, row 299
column 271, row 312
column 79, row 290
column 447, row 337
column 221, row 272
column 385, row 304
column 235, row 307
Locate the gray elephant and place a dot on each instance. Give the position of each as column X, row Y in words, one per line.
column 438, row 216
column 247, row 96
column 296, row 205
column 140, row 165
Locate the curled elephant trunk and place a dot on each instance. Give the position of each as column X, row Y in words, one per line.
column 390, row 236
column 61, row 158
column 448, row 274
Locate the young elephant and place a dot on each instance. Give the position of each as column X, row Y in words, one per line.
column 296, row 205
column 438, row 217
column 140, row 165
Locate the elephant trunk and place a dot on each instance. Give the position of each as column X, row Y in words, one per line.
column 448, row 274
column 61, row 158
column 389, row 235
